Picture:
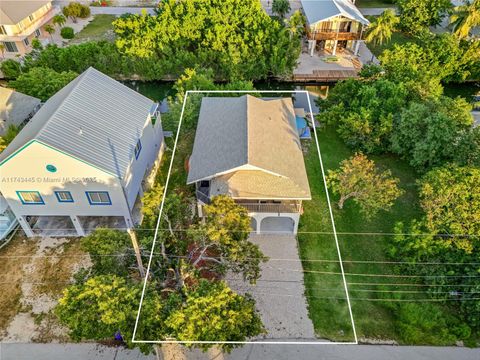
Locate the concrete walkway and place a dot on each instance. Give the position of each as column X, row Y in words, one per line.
column 85, row 351
column 285, row 317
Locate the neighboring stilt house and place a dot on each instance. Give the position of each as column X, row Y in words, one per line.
column 333, row 25
column 83, row 160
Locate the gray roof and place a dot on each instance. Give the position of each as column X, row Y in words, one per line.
column 15, row 107
column 93, row 118
column 319, row 10
column 12, row 12
column 258, row 135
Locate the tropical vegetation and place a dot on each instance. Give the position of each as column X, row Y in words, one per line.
column 42, row 82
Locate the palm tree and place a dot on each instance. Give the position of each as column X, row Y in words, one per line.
column 296, row 24
column 49, row 29
column 59, row 20
column 465, row 17
column 381, row 29
column 281, row 7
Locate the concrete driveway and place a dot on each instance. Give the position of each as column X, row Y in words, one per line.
column 279, row 294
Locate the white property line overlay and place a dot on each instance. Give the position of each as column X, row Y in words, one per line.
column 331, row 218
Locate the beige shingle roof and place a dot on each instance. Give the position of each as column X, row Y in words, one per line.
column 255, row 142
column 15, row 107
column 12, row 12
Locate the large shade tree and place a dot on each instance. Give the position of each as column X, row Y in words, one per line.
column 416, row 15
column 42, row 82
column 360, row 180
column 235, row 38
column 362, row 111
column 450, row 197
column 427, row 133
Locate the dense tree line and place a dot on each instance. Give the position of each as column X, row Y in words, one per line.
column 400, row 107
column 235, row 38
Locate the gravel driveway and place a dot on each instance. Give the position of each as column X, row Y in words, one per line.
column 279, row 294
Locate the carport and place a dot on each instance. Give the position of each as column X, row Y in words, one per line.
column 51, row 225
column 90, row 223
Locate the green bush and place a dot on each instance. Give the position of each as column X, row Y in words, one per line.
column 42, row 82
column 429, row 323
column 76, row 10
column 109, row 251
column 67, row 32
column 11, row 69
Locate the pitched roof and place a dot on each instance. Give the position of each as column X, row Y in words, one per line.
column 319, row 10
column 93, row 118
column 12, row 12
column 255, row 138
column 15, row 107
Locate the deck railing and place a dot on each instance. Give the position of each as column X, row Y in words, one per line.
column 272, row 208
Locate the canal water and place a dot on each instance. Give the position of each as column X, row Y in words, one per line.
column 160, row 90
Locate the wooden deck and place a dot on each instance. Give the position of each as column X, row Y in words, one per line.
column 326, row 75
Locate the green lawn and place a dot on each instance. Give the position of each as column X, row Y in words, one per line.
column 373, row 3
column 100, row 28
column 397, row 38
column 330, row 316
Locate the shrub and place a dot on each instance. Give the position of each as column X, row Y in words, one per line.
column 108, row 249
column 76, row 10
column 42, row 82
column 11, row 69
column 429, row 323
column 67, row 32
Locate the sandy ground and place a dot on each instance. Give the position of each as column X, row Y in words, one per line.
column 42, row 276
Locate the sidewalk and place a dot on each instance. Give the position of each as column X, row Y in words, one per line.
column 85, row 351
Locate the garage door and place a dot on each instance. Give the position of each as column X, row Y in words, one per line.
column 277, row 225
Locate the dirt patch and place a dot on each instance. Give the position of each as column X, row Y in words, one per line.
column 40, row 280
column 12, row 259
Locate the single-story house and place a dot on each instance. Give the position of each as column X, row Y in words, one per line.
column 15, row 108
column 249, row 149
column 83, row 160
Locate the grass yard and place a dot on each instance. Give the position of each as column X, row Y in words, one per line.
column 374, row 3
column 373, row 319
column 397, row 38
column 100, row 28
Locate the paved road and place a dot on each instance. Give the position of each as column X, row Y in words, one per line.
column 249, row 352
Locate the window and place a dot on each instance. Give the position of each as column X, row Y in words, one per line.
column 138, row 148
column 37, row 33
column 30, row 198
column 98, row 198
column 11, row 46
column 31, row 17
column 64, row 196
column 26, row 42
column 2, row 30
